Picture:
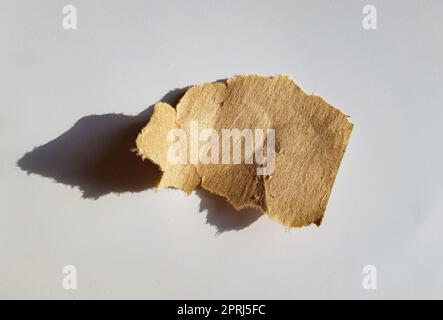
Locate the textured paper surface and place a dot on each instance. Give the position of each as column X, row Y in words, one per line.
column 310, row 139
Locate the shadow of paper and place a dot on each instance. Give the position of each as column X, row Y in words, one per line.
column 96, row 155
column 222, row 215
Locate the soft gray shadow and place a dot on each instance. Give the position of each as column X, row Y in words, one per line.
column 96, row 156
column 222, row 215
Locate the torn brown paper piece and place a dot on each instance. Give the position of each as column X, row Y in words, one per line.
column 310, row 139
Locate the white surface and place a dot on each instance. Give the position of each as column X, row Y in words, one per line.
column 386, row 205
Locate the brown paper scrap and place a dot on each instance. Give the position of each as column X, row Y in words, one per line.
column 310, row 139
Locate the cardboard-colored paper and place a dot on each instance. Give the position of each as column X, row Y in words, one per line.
column 310, row 139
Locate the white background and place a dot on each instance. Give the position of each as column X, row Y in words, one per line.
column 386, row 205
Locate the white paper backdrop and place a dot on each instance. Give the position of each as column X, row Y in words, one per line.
column 386, row 205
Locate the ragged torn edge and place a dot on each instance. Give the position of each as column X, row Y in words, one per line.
column 197, row 183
